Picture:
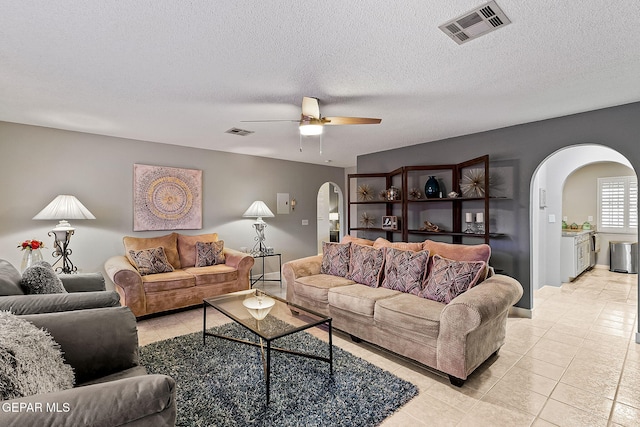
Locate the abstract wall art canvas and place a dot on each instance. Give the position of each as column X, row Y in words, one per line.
column 166, row 198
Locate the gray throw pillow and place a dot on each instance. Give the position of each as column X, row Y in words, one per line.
column 31, row 361
column 41, row 279
column 9, row 279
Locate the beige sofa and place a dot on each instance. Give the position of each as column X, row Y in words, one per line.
column 454, row 338
column 187, row 285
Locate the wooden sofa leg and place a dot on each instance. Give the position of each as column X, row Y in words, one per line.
column 456, row 381
column 355, row 338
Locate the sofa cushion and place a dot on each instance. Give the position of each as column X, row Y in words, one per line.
column 455, row 252
column 360, row 299
column 209, row 253
column 150, row 261
column 358, row 240
column 335, row 258
column 316, row 287
column 9, row 279
column 458, row 252
column 168, row 242
column 168, row 281
column 365, row 265
column 404, row 271
column 41, row 279
column 384, row 243
column 213, row 274
column 31, row 361
column 449, row 278
column 408, row 315
column 187, row 247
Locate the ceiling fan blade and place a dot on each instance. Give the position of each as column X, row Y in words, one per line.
column 310, row 107
column 265, row 121
column 330, row 121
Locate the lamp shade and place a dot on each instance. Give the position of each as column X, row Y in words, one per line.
column 258, row 209
column 65, row 207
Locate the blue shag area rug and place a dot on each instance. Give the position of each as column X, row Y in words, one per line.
column 222, row 383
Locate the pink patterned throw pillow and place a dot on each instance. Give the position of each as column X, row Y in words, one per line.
column 448, row 278
column 404, row 271
column 335, row 259
column 365, row 265
column 151, row 261
column 209, row 253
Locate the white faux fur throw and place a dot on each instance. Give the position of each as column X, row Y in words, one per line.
column 31, row 361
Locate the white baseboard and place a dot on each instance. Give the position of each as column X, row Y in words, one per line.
column 524, row 313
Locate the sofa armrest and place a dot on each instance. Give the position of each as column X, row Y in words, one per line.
column 479, row 307
column 83, row 282
column 128, row 283
column 143, row 400
column 302, row 267
column 51, row 303
column 241, row 261
column 95, row 342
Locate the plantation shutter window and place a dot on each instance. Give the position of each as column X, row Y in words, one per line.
column 617, row 204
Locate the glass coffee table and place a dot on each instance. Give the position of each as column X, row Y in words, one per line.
column 269, row 318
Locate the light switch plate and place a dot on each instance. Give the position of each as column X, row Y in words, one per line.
column 282, row 203
column 552, row 218
column 305, row 222
column 590, row 218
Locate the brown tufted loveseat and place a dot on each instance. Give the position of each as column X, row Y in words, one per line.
column 187, row 285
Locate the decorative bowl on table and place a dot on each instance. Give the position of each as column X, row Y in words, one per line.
column 259, row 306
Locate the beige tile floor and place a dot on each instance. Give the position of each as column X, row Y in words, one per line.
column 575, row 363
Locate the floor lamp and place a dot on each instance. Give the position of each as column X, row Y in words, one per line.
column 259, row 209
column 62, row 208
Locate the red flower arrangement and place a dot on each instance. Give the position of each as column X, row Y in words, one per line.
column 31, row 244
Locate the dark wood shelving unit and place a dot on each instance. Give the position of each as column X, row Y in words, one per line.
column 451, row 177
column 387, row 204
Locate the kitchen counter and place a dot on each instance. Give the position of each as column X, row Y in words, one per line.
column 573, row 233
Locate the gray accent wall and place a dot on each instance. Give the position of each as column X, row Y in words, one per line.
column 515, row 153
column 37, row 164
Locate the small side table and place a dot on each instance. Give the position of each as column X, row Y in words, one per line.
column 261, row 278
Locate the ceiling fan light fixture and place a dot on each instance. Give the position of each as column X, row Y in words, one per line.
column 310, row 127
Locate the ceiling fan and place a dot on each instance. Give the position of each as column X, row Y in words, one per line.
column 312, row 123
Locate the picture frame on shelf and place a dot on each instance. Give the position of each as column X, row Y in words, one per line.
column 390, row 222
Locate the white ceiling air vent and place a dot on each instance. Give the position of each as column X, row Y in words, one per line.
column 475, row 23
column 237, row 131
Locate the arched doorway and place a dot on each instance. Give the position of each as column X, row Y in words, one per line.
column 546, row 206
column 330, row 211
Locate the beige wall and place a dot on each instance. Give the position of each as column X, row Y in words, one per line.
column 36, row 164
column 580, row 196
column 580, row 200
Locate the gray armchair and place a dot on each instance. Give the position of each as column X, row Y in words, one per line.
column 112, row 389
column 85, row 291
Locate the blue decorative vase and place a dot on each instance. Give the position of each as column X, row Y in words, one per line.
column 432, row 188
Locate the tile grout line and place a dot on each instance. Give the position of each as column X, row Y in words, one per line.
column 631, row 342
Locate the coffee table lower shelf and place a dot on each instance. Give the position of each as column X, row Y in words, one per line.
column 265, row 341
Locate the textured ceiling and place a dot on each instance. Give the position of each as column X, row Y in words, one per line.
column 184, row 72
